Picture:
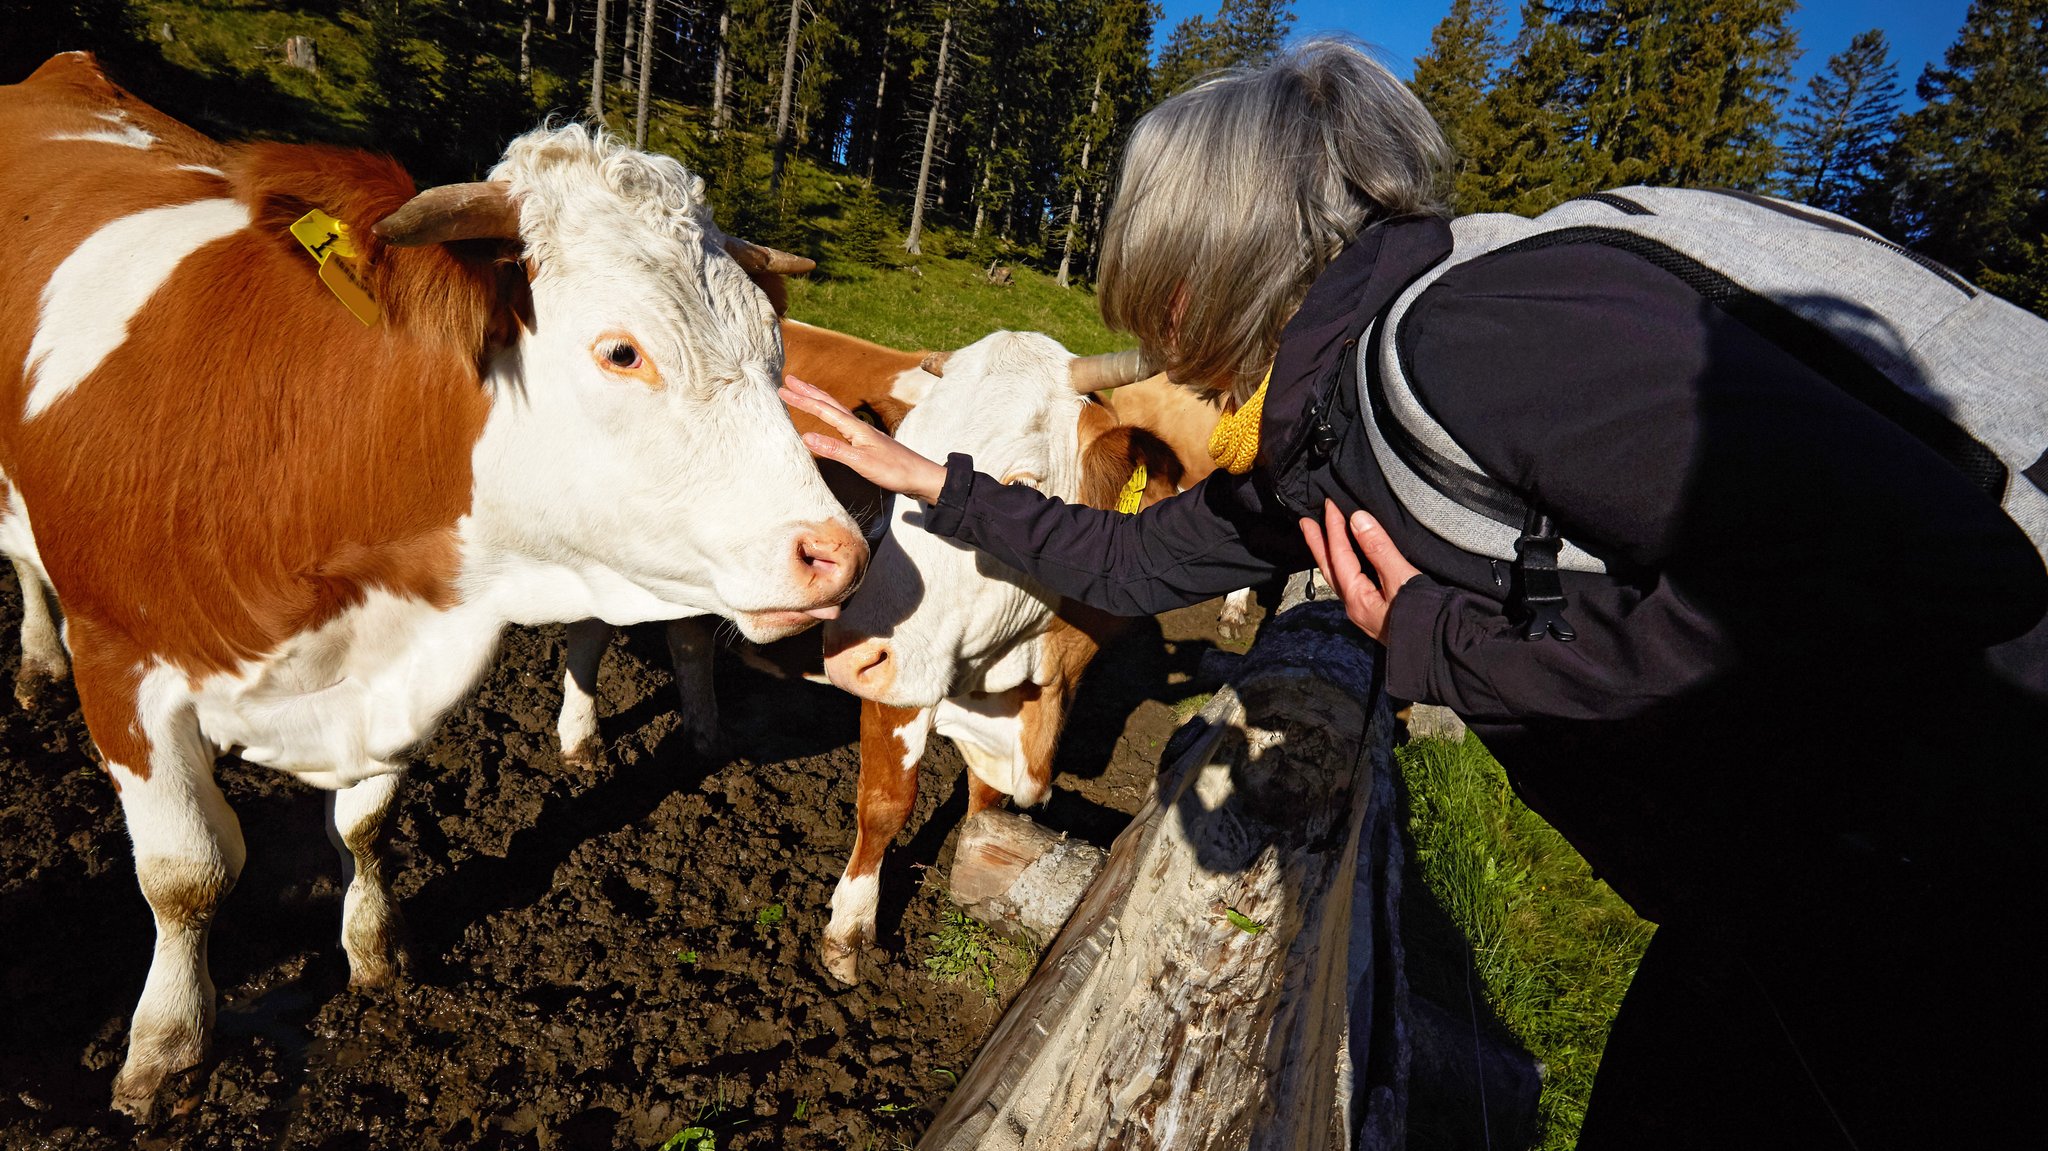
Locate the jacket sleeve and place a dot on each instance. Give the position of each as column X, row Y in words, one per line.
column 1760, row 519
column 1213, row 538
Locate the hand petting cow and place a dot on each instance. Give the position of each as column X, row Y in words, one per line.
column 293, row 444
column 943, row 638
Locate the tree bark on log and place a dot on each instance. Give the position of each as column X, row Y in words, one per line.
column 1235, row 976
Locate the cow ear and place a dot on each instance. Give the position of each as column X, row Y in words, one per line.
column 1109, row 464
column 1029, row 479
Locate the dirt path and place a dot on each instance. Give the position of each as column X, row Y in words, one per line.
column 596, row 958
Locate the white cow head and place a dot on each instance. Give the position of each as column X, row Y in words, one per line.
column 636, row 451
column 937, row 618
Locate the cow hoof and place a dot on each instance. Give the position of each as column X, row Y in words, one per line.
column 142, row 1079
column 32, row 685
column 584, row 754
column 842, row 960
column 703, row 744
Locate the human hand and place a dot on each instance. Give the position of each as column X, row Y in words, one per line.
column 864, row 448
column 1365, row 602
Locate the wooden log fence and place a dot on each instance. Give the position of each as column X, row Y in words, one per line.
column 1235, row 976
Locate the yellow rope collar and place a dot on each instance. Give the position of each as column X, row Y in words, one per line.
column 1234, row 445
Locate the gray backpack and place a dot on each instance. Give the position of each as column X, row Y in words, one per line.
column 1960, row 369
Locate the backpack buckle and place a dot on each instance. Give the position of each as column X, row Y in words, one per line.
column 1537, row 602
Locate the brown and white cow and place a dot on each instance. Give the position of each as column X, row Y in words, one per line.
column 879, row 384
column 944, row 638
column 278, row 530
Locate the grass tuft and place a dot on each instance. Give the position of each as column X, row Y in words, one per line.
column 1555, row 948
column 964, row 947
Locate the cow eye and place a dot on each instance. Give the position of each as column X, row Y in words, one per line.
column 622, row 355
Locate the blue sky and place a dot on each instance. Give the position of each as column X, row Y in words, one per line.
column 1919, row 30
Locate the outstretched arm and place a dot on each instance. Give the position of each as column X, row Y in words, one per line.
column 1215, row 537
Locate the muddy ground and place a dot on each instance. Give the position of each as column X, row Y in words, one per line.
column 595, row 961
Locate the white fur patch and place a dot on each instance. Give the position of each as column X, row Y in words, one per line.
column 122, row 133
column 202, row 168
column 989, row 731
column 104, row 282
column 853, row 906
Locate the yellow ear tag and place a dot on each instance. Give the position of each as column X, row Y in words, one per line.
column 1134, row 492
column 324, row 238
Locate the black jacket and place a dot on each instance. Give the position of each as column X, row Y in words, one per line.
column 1789, row 573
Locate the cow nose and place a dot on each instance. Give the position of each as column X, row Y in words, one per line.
column 864, row 669
column 828, row 562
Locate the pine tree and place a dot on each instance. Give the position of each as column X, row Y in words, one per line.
column 1253, row 30
column 1451, row 82
column 1521, row 142
column 865, row 236
column 1684, row 92
column 1841, row 131
column 1244, row 33
column 1971, row 169
column 1190, row 50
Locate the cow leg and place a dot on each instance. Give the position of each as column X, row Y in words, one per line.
column 577, row 726
column 188, row 853
column 892, row 740
column 982, row 795
column 1233, row 620
column 690, row 649
column 43, row 660
column 369, row 919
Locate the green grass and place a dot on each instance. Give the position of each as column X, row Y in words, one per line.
column 963, row 947
column 1554, row 947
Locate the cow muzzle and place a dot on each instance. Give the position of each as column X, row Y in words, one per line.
column 866, row 668
column 825, row 565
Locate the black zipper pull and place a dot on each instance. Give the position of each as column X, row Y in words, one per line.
column 1537, row 602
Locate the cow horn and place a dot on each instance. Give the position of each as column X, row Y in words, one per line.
column 1112, row 370
column 755, row 258
column 934, row 363
column 478, row 211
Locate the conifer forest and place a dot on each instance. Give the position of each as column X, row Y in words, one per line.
column 1007, row 116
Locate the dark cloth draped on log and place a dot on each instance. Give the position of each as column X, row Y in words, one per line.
column 1779, row 719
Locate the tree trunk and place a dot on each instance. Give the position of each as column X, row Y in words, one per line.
column 911, row 242
column 597, row 71
column 646, row 70
column 1095, row 236
column 718, row 79
column 551, row 13
column 987, row 169
column 628, row 50
column 881, row 86
column 526, row 42
column 1074, row 209
column 1236, row 976
column 782, row 110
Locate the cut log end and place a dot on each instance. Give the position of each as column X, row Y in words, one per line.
column 1018, row 878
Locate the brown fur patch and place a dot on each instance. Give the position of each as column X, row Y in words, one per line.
column 850, row 370
column 888, row 788
column 251, row 461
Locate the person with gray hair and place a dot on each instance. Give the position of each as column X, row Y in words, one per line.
column 1769, row 717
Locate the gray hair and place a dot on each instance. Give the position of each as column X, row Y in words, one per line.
column 1238, row 191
